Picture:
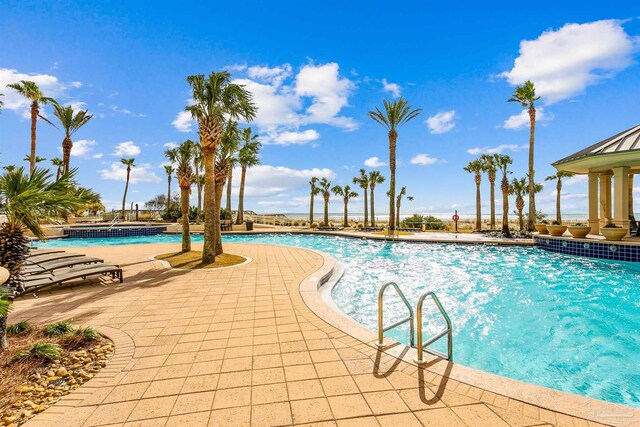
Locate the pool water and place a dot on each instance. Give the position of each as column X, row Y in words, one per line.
column 564, row 322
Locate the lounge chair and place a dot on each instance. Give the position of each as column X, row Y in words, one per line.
column 39, row 259
column 36, row 251
column 39, row 281
column 44, row 267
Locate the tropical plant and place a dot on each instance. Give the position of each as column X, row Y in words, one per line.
column 476, row 167
column 363, row 182
column 519, row 187
column 502, row 162
column 396, row 113
column 86, row 334
column 248, row 157
column 32, row 92
column 216, row 99
column 314, row 192
column 41, row 350
column 375, row 178
column 58, row 329
column 490, row 167
column 346, row 194
column 38, row 159
column 325, row 190
column 182, row 157
column 70, row 122
column 198, row 178
column 58, row 164
column 169, row 170
column 558, row 178
column 525, row 95
column 129, row 163
column 399, row 196
column 225, row 160
column 19, row 327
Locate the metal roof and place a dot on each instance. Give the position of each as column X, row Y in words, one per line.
column 628, row 140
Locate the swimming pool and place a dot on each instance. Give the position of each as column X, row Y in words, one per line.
column 568, row 323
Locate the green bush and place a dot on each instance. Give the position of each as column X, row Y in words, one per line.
column 87, row 333
column 58, row 329
column 41, row 350
column 433, row 223
column 18, row 328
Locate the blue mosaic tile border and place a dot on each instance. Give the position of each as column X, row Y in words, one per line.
column 613, row 251
column 104, row 232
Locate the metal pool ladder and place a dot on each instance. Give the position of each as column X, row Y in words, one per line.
column 422, row 345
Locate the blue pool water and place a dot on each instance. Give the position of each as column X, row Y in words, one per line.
column 563, row 322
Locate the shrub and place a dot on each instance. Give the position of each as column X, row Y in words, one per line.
column 296, row 223
column 41, row 350
column 433, row 223
column 611, row 225
column 314, row 225
column 18, row 328
column 545, row 222
column 58, row 329
column 579, row 224
column 87, row 333
column 556, row 222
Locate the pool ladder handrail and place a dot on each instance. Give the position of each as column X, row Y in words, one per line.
column 381, row 328
column 422, row 346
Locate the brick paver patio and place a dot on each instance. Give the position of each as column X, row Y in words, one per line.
column 239, row 347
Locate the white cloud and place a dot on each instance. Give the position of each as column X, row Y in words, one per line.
column 126, row 111
column 183, row 122
column 562, row 63
column 267, row 180
column 423, row 159
column 170, row 145
column 497, row 149
column 442, row 122
column 76, row 84
column 84, row 148
column 275, row 75
column 374, row 162
column 521, row 120
column 290, row 138
column 128, row 148
column 139, row 173
column 393, row 88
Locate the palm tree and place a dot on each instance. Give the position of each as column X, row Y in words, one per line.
column 129, row 164
column 502, row 162
column 57, row 162
column 314, row 192
column 396, row 113
column 519, row 187
column 490, row 169
column 363, row 182
column 325, row 190
column 225, row 160
column 248, row 157
column 29, row 200
column 476, row 167
column 525, row 95
column 558, row 177
column 399, row 196
column 199, row 179
column 169, row 170
column 346, row 194
column 182, row 156
column 216, row 100
column 38, row 159
column 375, row 177
column 70, row 123
column 31, row 91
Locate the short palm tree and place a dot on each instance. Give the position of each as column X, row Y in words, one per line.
column 346, row 193
column 314, row 192
column 363, row 182
column 32, row 92
column 399, row 196
column 129, row 163
column 375, row 178
column 38, row 159
column 199, row 178
column 491, row 168
column 525, row 95
column 325, row 190
column 182, row 157
column 502, row 162
column 225, row 160
column 519, row 187
column 248, row 157
column 57, row 162
column 216, row 100
column 26, row 201
column 476, row 167
column 169, row 170
column 70, row 122
column 558, row 178
column 396, row 113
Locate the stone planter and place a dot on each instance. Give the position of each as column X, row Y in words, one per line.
column 542, row 228
column 579, row 231
column 556, row 230
column 614, row 234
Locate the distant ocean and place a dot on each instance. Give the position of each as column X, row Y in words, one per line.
column 358, row 216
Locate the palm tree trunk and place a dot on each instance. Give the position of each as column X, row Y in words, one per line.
column 558, row 190
column 67, row 144
column 478, row 207
column 216, row 221
column 58, row 172
column 184, row 204
column 229, row 191
column 393, row 136
column 311, row 209
column 32, row 155
column 505, row 207
column 199, row 190
column 168, row 194
column 208, row 247
column 532, row 194
column 493, row 202
column 326, row 212
column 373, row 213
column 345, row 220
column 240, row 217
column 126, row 188
column 366, row 216
column 520, row 207
column 398, row 214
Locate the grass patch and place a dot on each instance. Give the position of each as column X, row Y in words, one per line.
column 193, row 260
column 18, row 328
column 41, row 350
column 58, row 329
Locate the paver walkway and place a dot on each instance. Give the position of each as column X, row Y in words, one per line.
column 239, row 347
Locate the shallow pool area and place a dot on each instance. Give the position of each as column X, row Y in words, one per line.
column 564, row 322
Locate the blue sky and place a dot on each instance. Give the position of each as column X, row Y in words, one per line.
column 315, row 71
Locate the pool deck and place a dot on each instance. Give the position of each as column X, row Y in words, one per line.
column 255, row 345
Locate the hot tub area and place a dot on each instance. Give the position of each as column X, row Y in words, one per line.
column 99, row 231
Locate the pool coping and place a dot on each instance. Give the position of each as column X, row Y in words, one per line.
column 542, row 397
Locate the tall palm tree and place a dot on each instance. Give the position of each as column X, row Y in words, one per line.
column 476, row 167
column 129, row 164
column 346, row 194
column 225, row 160
column 558, row 178
column 491, row 168
column 169, row 170
column 375, row 178
column 197, row 167
column 314, row 192
column 182, row 157
column 248, row 157
column 216, row 99
column 32, row 92
column 399, row 196
column 57, row 162
column 325, row 190
column 29, row 200
column 525, row 95
column 502, row 162
column 396, row 113
column 363, row 182
column 70, row 122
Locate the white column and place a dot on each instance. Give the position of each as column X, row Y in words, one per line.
column 621, row 196
column 594, row 220
column 605, row 198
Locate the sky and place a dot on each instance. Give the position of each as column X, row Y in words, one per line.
column 315, row 70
